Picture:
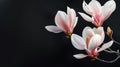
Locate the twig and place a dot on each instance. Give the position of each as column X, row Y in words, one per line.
column 116, row 42
column 112, row 51
column 108, row 61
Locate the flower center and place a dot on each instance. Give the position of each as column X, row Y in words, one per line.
column 97, row 20
column 93, row 54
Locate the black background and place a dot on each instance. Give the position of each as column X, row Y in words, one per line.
column 26, row 43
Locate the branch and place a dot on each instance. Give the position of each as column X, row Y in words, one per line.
column 106, row 61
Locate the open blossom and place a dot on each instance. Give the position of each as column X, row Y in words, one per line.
column 97, row 12
column 65, row 22
column 90, row 41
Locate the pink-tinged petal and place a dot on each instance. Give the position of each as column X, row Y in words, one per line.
column 95, row 51
column 53, row 29
column 100, row 31
column 105, row 46
column 85, row 17
column 78, row 42
column 71, row 18
column 72, row 28
column 80, row 56
column 97, row 20
column 75, row 22
column 87, row 8
column 94, row 42
column 108, row 8
column 87, row 33
column 72, row 15
column 60, row 20
column 96, row 7
column 88, row 52
column 97, row 24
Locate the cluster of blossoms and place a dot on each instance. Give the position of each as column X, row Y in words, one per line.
column 92, row 38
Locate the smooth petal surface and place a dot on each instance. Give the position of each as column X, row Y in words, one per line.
column 53, row 29
column 60, row 20
column 108, row 9
column 87, row 8
column 85, row 17
column 80, row 56
column 87, row 33
column 72, row 16
column 95, row 6
column 78, row 42
column 94, row 42
column 105, row 46
column 75, row 22
column 73, row 26
column 100, row 31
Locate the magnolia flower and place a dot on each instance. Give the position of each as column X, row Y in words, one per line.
column 65, row 22
column 99, row 13
column 90, row 41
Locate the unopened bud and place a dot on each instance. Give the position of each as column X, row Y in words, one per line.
column 109, row 32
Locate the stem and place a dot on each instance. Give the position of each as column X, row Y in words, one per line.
column 108, row 61
column 111, row 37
column 68, row 35
column 112, row 51
column 115, row 40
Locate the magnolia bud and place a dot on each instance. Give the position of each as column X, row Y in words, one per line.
column 109, row 32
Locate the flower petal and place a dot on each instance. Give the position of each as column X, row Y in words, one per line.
column 60, row 20
column 85, row 17
column 53, row 29
column 71, row 18
column 94, row 42
column 78, row 42
column 105, row 46
column 87, row 32
column 72, row 15
column 100, row 31
column 80, row 56
column 75, row 22
column 87, row 8
column 108, row 8
column 96, row 7
column 72, row 28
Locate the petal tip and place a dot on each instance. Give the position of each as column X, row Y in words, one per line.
column 79, row 56
column 53, row 29
column 68, row 7
column 46, row 27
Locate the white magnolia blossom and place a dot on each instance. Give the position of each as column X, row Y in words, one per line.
column 97, row 12
column 90, row 41
column 65, row 22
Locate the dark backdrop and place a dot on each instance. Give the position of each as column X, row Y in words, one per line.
column 25, row 42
